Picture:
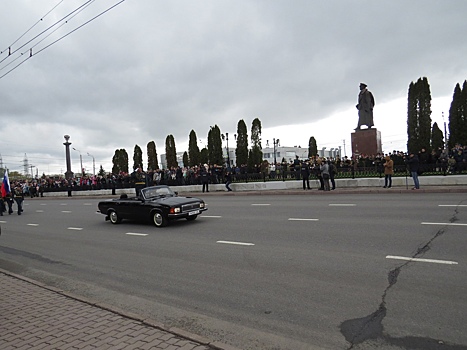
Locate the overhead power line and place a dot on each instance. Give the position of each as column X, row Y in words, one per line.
column 27, row 31
column 31, row 53
column 30, row 50
column 77, row 10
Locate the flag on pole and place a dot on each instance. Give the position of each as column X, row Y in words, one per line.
column 5, row 184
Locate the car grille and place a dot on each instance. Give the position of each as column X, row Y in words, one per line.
column 191, row 206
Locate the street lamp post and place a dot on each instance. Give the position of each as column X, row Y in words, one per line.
column 276, row 143
column 93, row 164
column 69, row 173
column 228, row 153
column 445, row 134
column 80, row 160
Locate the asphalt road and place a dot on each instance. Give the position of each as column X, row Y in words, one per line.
column 266, row 272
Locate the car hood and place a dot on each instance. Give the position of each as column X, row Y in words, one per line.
column 171, row 201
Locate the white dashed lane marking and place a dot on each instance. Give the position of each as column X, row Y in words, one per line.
column 446, row 262
column 211, row 216
column 297, row 219
column 75, row 228
column 452, row 205
column 66, row 211
column 33, row 224
column 261, row 204
column 443, row 223
column 342, row 205
column 235, row 243
column 136, row 234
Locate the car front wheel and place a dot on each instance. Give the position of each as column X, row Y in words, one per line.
column 159, row 219
column 114, row 218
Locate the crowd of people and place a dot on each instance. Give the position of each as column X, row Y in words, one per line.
column 14, row 195
column 325, row 170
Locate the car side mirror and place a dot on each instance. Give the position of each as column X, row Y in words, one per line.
column 176, row 193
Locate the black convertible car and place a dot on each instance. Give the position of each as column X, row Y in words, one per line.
column 158, row 204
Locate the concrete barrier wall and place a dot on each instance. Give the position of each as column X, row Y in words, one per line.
column 451, row 180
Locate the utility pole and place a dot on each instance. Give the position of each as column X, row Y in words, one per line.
column 445, row 134
column 93, row 164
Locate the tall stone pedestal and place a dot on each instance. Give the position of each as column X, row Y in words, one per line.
column 366, row 141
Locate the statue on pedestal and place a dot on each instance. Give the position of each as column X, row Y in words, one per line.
column 365, row 105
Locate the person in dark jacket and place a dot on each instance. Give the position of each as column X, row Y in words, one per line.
column 228, row 179
column 305, row 172
column 319, row 176
column 414, row 165
column 18, row 196
column 332, row 174
column 204, row 174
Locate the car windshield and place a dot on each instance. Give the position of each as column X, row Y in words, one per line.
column 152, row 192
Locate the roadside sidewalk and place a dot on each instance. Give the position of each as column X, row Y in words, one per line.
column 35, row 316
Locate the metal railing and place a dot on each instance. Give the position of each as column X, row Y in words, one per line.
column 281, row 175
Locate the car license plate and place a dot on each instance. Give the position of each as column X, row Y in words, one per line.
column 194, row 212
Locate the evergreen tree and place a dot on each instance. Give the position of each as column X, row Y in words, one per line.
column 101, row 171
column 312, row 147
column 215, row 146
column 170, row 152
column 241, row 151
column 185, row 159
column 193, row 150
column 120, row 161
column 458, row 116
column 137, row 157
column 437, row 139
column 256, row 153
column 251, row 165
column 419, row 116
column 204, row 156
column 153, row 164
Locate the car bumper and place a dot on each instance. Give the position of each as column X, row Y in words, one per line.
column 186, row 214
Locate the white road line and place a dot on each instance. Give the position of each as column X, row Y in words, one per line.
column 87, row 204
column 261, row 204
column 75, row 228
column 211, row 216
column 443, row 223
column 2, row 222
column 342, row 205
column 452, row 205
column 43, row 204
column 33, row 224
column 63, row 204
column 446, row 262
column 136, row 234
column 66, row 211
column 297, row 219
column 39, row 211
column 235, row 243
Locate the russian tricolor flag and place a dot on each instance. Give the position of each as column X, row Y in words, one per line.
column 5, row 184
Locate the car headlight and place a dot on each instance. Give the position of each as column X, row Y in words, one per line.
column 201, row 205
column 174, row 210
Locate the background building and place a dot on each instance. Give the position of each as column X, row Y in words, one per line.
column 289, row 153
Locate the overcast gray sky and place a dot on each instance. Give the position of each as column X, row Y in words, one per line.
column 150, row 68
